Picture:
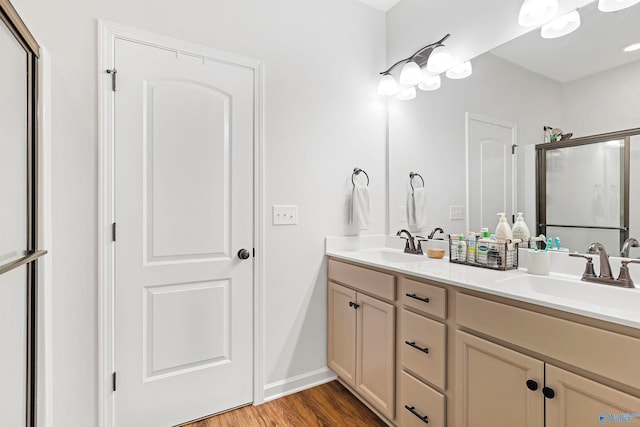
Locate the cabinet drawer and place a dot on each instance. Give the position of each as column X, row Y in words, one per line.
column 368, row 281
column 420, row 400
column 428, row 361
column 423, row 297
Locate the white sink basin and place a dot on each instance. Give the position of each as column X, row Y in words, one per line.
column 564, row 289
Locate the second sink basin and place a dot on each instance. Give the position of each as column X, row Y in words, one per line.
column 567, row 289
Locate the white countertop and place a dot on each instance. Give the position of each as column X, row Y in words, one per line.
column 558, row 291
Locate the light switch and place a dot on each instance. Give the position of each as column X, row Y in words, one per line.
column 456, row 213
column 285, row 214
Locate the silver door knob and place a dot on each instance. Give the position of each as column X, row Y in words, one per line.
column 244, row 254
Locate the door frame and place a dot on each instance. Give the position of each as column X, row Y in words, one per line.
column 108, row 32
column 468, row 118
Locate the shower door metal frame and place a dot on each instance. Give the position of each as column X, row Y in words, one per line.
column 541, row 179
column 12, row 21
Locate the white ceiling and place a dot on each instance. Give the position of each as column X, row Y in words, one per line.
column 383, row 5
column 594, row 47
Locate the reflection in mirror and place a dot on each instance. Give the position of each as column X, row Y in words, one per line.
column 582, row 83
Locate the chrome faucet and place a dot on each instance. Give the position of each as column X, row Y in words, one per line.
column 410, row 247
column 434, row 231
column 629, row 243
column 605, row 277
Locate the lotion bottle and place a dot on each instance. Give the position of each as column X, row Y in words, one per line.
column 520, row 229
column 503, row 231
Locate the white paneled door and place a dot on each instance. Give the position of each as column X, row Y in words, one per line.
column 491, row 183
column 184, row 135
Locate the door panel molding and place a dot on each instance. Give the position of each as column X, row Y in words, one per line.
column 108, row 32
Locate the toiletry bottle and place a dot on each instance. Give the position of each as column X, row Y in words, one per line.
column 482, row 247
column 520, row 230
column 462, row 248
column 503, row 231
column 471, row 250
column 493, row 257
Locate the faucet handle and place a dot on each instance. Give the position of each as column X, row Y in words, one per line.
column 420, row 239
column 588, row 269
column 624, row 277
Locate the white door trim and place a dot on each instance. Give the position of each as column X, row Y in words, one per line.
column 108, row 32
column 468, row 117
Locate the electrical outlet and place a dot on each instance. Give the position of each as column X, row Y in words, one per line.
column 285, row 214
column 456, row 213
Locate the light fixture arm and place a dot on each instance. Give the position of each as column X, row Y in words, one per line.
column 418, row 53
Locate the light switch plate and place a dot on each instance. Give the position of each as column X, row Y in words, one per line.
column 285, row 214
column 456, row 213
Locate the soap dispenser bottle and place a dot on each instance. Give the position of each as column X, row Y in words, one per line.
column 503, row 231
column 520, row 229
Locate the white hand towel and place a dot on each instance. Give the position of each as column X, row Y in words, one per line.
column 359, row 217
column 417, row 209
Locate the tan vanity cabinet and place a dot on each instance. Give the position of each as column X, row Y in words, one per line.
column 494, row 385
column 499, row 386
column 579, row 401
column 361, row 333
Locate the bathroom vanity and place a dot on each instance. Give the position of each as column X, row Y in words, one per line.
column 427, row 342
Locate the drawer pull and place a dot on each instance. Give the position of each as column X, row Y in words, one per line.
column 417, row 347
column 414, row 296
column 412, row 409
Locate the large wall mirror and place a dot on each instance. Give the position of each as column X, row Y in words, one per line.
column 473, row 140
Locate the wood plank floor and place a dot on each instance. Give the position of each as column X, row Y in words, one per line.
column 326, row 405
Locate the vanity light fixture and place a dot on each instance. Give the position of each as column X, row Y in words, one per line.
column 460, row 71
column 537, row 12
column 632, row 47
column 430, row 83
column 561, row 26
column 614, row 5
column 432, row 56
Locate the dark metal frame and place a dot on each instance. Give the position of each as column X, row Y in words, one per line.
column 10, row 18
column 541, row 179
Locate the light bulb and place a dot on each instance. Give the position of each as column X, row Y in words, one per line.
column 460, row 71
column 561, row 26
column 388, row 85
column 537, row 12
column 407, row 94
column 430, row 83
column 411, row 74
column 613, row 5
column 440, row 60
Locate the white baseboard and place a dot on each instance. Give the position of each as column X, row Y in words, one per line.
column 298, row 383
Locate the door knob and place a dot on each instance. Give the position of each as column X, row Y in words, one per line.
column 244, row 254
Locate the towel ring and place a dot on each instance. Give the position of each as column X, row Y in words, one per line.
column 413, row 175
column 356, row 171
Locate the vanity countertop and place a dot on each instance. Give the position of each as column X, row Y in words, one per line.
column 557, row 291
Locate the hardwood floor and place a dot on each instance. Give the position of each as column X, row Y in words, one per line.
column 326, row 405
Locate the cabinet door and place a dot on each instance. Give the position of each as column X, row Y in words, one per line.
column 375, row 353
column 492, row 385
column 341, row 332
column 578, row 401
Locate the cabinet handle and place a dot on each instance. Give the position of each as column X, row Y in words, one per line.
column 356, row 306
column 417, row 347
column 412, row 409
column 548, row 392
column 351, row 303
column 532, row 385
column 414, row 296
